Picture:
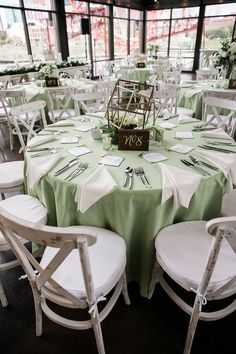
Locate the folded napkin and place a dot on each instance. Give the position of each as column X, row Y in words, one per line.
column 225, row 162
column 99, row 184
column 191, row 93
column 216, row 133
column 62, row 123
column 38, row 140
column 178, row 183
column 35, row 171
column 186, row 119
column 96, row 114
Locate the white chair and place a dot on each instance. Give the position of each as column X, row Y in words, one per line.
column 90, row 102
column 4, row 81
column 206, row 74
column 172, row 77
column 79, row 267
column 185, row 111
column 11, row 177
column 228, row 207
column 200, row 257
column 213, row 114
column 165, row 99
column 25, row 119
column 28, row 209
column 9, row 98
column 60, row 99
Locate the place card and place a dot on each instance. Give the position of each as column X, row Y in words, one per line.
column 182, row 149
column 78, row 151
column 154, row 157
column 69, row 140
column 83, row 128
column 184, row 135
column 111, row 160
column 167, row 125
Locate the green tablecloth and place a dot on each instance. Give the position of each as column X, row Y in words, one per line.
column 135, row 214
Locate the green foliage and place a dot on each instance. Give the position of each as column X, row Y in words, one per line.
column 36, row 68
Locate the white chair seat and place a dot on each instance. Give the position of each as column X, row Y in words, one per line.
column 229, row 204
column 11, row 174
column 57, row 112
column 185, row 111
column 107, row 257
column 178, row 245
column 25, row 207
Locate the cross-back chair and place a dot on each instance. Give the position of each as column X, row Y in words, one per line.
column 11, row 177
column 25, row 118
column 206, row 74
column 172, row 77
column 60, row 101
column 220, row 112
column 165, row 99
column 79, row 267
column 90, row 102
column 200, row 257
column 29, row 209
column 4, row 81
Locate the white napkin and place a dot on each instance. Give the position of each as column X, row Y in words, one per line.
column 99, row 184
column 225, row 162
column 216, row 133
column 178, row 183
column 191, row 93
column 38, row 140
column 62, row 123
column 35, row 171
column 185, row 119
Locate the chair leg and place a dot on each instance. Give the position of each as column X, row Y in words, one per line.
column 125, row 290
column 3, row 296
column 154, row 279
column 98, row 332
column 38, row 309
column 192, row 324
column 2, row 196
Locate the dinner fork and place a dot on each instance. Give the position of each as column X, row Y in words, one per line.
column 82, row 167
column 47, row 152
column 145, row 177
column 194, row 167
column 140, row 173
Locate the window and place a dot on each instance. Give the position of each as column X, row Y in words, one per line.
column 39, row 4
column 99, row 26
column 120, row 38
column 135, row 36
column 158, row 33
column 158, row 15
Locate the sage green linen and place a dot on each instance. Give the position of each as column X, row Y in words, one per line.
column 135, row 214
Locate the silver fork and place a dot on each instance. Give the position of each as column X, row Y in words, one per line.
column 82, row 166
column 140, row 174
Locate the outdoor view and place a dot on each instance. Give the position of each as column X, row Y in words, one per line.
column 218, row 25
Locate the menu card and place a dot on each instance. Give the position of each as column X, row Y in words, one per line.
column 184, row 135
column 154, row 157
column 167, row 125
column 182, row 149
column 83, row 128
column 111, row 160
column 78, row 151
column 69, row 140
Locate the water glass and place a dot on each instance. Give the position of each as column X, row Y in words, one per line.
column 107, row 143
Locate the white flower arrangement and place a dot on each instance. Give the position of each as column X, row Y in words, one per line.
column 49, row 70
column 226, row 56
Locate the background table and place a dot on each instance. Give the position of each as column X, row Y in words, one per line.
column 135, row 214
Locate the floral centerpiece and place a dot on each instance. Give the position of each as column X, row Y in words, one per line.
column 153, row 49
column 47, row 71
column 226, row 56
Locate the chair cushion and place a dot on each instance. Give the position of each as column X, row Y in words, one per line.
column 229, row 204
column 182, row 250
column 11, row 174
column 185, row 111
column 107, row 259
column 25, row 207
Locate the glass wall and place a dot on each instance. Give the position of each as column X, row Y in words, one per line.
column 158, row 30
column 120, row 32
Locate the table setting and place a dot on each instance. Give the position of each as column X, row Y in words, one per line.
column 134, row 193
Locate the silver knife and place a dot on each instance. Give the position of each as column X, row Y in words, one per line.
column 217, row 149
column 130, row 173
column 66, row 167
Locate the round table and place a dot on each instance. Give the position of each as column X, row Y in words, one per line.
column 135, row 214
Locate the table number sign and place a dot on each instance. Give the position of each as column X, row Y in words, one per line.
column 133, row 139
column 51, row 81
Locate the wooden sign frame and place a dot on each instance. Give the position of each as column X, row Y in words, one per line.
column 232, row 84
column 133, row 139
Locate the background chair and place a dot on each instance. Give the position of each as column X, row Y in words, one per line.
column 24, row 118
column 4, row 81
column 90, row 102
column 200, row 257
column 214, row 112
column 27, row 208
column 206, row 74
column 79, row 267
column 60, row 101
